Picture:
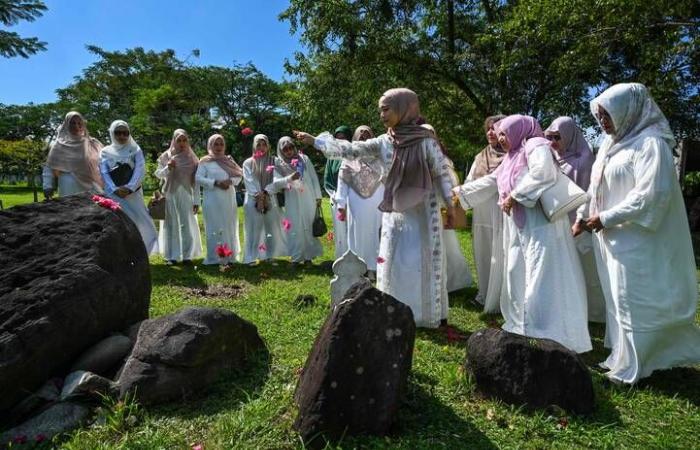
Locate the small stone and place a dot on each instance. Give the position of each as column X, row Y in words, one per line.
column 359, row 370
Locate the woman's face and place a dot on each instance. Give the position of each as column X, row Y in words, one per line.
column 218, row 147
column 364, row 135
column 288, row 151
column 261, row 146
column 554, row 138
column 182, row 142
column 388, row 116
column 76, row 126
column 605, row 121
column 121, row 135
column 503, row 140
column 491, row 136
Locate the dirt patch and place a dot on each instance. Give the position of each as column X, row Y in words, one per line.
column 217, row 291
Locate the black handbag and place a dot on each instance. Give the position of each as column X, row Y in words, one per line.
column 240, row 198
column 280, row 199
column 319, row 227
column 121, row 174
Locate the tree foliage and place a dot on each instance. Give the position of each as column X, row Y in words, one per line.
column 11, row 13
column 469, row 59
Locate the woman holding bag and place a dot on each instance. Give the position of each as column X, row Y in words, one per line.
column 545, row 288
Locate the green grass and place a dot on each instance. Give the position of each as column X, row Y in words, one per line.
column 255, row 409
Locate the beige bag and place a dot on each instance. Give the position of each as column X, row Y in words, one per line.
column 565, row 196
column 156, row 206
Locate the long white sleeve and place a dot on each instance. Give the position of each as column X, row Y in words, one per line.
column 541, row 174
column 647, row 203
column 341, row 195
column 279, row 183
column 139, row 171
column 476, row 192
column 48, row 181
column 339, row 148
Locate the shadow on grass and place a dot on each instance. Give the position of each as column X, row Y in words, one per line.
column 234, row 389
column 192, row 276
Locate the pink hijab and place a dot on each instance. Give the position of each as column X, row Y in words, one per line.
column 408, row 182
column 225, row 161
column 524, row 134
column 185, row 164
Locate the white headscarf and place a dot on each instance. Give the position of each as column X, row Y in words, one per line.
column 634, row 114
column 116, row 153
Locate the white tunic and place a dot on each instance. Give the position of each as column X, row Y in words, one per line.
column 364, row 220
column 645, row 261
column 264, row 238
column 458, row 274
column 544, row 284
column 487, row 242
column 300, row 198
column 411, row 247
column 220, row 212
column 340, row 227
column 133, row 204
column 179, row 237
column 66, row 182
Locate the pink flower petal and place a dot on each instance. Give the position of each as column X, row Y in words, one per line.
column 380, row 260
column 330, row 236
column 294, row 162
column 262, row 248
column 270, row 169
column 286, row 224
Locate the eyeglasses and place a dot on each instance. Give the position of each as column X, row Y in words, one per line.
column 553, row 137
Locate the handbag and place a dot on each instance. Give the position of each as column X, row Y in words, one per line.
column 460, row 222
column 319, row 227
column 565, row 196
column 121, row 174
column 240, row 198
column 156, row 206
column 280, row 199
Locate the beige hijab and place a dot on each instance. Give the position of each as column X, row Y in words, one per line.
column 224, row 161
column 490, row 157
column 408, row 181
column 185, row 164
column 362, row 176
column 76, row 154
column 262, row 162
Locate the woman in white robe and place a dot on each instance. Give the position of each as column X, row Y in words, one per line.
column 360, row 190
column 458, row 274
column 124, row 156
column 331, row 173
column 218, row 174
column 179, row 238
column 411, row 262
column 295, row 175
column 575, row 159
column 264, row 238
column 642, row 240
column 546, row 292
column 487, row 225
column 73, row 161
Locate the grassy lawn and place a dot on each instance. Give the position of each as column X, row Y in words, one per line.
column 255, row 409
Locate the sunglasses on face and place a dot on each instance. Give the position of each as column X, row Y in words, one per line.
column 553, row 137
column 121, row 133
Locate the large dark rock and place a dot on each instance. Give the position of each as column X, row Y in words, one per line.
column 528, row 371
column 179, row 354
column 357, row 370
column 72, row 273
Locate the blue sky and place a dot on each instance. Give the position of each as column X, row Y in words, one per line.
column 224, row 31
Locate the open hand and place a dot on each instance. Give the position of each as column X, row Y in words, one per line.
column 450, row 218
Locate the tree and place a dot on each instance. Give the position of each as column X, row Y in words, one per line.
column 469, row 59
column 23, row 158
column 11, row 13
column 34, row 122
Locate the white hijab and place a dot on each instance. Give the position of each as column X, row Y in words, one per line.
column 120, row 153
column 634, row 115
